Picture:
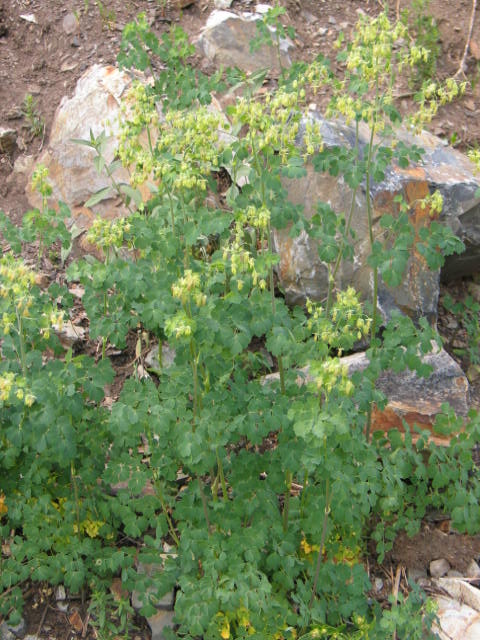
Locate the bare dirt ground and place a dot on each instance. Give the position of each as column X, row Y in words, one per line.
column 43, row 55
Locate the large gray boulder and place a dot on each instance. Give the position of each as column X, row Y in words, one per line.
column 302, row 273
column 225, row 40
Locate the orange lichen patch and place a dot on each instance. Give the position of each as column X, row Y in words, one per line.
column 393, row 418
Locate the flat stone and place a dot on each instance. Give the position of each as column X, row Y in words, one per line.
column 439, row 568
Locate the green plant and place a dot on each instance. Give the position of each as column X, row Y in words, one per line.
column 468, row 313
column 271, row 32
column 34, row 119
column 280, row 482
column 426, row 36
column 45, row 225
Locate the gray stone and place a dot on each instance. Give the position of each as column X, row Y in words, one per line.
column 70, row 23
column 152, row 359
column 8, row 140
column 378, row 584
column 453, row 573
column 222, row 4
column 303, row 274
column 12, row 632
column 410, row 398
column 225, row 40
column 159, row 622
column 165, row 603
column 416, row 575
column 439, row 568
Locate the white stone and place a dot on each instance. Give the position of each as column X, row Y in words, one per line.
column 473, row 570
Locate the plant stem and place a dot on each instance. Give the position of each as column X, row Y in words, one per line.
column 204, row 502
column 375, row 268
column 171, row 528
column 286, row 505
column 331, row 279
column 322, row 542
column 75, row 492
column 222, row 477
column 21, row 338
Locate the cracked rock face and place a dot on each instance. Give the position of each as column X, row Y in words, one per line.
column 302, row 273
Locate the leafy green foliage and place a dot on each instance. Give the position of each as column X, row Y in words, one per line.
column 253, row 495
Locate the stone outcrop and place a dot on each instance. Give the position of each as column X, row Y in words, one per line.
column 411, row 398
column 303, row 274
column 95, row 106
column 225, row 41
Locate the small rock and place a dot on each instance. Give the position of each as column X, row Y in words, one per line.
column 8, row 140
column 12, row 632
column 158, row 622
column 222, row 4
column 416, row 575
column 75, row 42
column 439, row 568
column 29, row 17
column 60, row 593
column 453, row 573
column 70, row 23
column 332, row 20
column 322, row 31
column 473, row 570
column 378, row 584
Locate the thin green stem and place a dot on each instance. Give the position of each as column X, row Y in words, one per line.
column 75, row 493
column 333, row 275
column 21, row 338
column 375, row 268
column 204, row 503
column 171, row 528
column 326, row 513
column 286, row 504
column 222, row 476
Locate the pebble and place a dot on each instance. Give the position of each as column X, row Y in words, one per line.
column 378, row 584
column 70, row 23
column 439, row 568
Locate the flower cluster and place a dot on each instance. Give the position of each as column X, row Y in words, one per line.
column 434, row 202
column 14, row 385
column 188, row 288
column 40, row 181
column 432, row 96
column 332, row 374
column 187, row 149
column 138, row 130
column 16, row 281
column 345, row 322
column 107, row 234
